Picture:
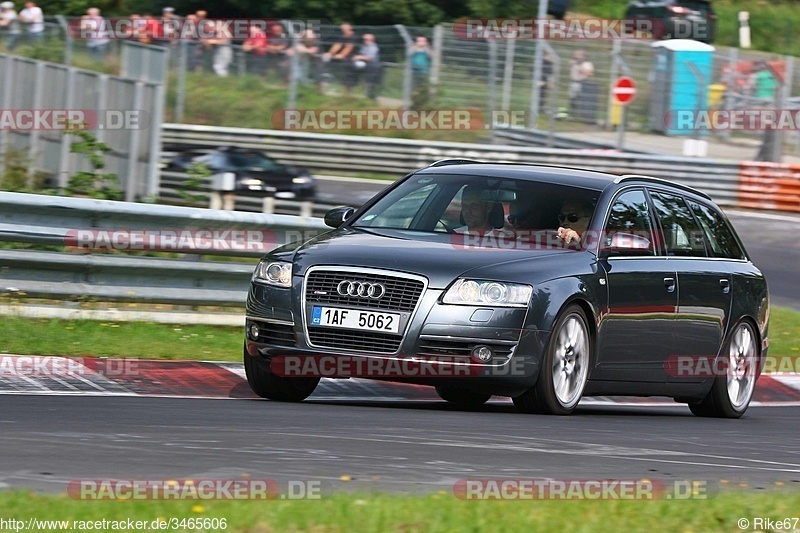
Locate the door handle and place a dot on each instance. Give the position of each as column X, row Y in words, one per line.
column 726, row 285
column 669, row 283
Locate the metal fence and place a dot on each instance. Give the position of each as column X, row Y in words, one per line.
column 478, row 74
column 39, row 85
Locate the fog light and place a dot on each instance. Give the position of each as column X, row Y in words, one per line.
column 482, row 353
column 254, row 331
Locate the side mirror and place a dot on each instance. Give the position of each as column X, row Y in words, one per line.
column 626, row 244
column 338, row 215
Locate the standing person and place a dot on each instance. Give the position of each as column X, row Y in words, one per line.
column 204, row 52
column 420, row 70
column 96, row 44
column 255, row 46
column 9, row 21
column 764, row 88
column 33, row 17
column 167, row 23
column 764, row 82
column 278, row 50
column 580, row 69
column 223, row 54
column 368, row 62
column 340, row 55
column 308, row 51
column 139, row 29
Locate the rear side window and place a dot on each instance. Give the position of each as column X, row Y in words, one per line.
column 719, row 234
column 682, row 235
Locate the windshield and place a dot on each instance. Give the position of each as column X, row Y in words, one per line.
column 453, row 204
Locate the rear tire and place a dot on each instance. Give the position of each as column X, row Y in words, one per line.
column 730, row 394
column 267, row 385
column 462, row 398
column 565, row 367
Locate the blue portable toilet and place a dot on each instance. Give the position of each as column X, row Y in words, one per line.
column 681, row 74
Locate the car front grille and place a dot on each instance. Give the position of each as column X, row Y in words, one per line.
column 402, row 294
column 361, row 341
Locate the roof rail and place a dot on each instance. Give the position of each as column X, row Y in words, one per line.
column 627, row 177
column 446, row 162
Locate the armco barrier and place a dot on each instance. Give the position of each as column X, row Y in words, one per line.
column 76, row 274
column 352, row 154
column 769, row 186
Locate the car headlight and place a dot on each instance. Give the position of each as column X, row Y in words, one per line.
column 302, row 180
column 481, row 292
column 277, row 273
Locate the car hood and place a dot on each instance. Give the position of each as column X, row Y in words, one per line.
column 439, row 257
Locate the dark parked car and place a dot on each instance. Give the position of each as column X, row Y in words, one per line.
column 466, row 265
column 682, row 19
column 256, row 173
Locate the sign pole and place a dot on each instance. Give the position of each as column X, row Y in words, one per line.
column 623, row 92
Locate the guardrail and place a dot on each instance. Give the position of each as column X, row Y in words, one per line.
column 528, row 137
column 80, row 225
column 352, row 154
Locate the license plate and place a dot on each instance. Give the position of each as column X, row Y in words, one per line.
column 337, row 317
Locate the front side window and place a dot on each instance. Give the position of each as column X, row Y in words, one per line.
column 629, row 224
column 682, row 235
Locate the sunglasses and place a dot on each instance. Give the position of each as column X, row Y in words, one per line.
column 572, row 217
column 513, row 219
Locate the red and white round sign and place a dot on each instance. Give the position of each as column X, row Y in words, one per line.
column 624, row 90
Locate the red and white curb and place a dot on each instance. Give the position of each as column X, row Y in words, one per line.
column 54, row 375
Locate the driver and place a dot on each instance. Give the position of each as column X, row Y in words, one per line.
column 475, row 212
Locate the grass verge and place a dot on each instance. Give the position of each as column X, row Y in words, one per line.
column 144, row 340
column 35, row 336
column 432, row 513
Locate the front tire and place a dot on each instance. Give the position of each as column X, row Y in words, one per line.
column 462, row 398
column 730, row 394
column 267, row 385
column 565, row 367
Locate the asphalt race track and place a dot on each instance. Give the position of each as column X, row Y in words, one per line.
column 47, row 441
column 773, row 242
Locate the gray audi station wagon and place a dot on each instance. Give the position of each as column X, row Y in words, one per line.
column 542, row 284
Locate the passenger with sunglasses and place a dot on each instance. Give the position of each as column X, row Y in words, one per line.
column 573, row 220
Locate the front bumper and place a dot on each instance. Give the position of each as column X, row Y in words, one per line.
column 436, row 335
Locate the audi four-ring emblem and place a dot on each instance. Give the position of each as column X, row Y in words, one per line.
column 361, row 289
